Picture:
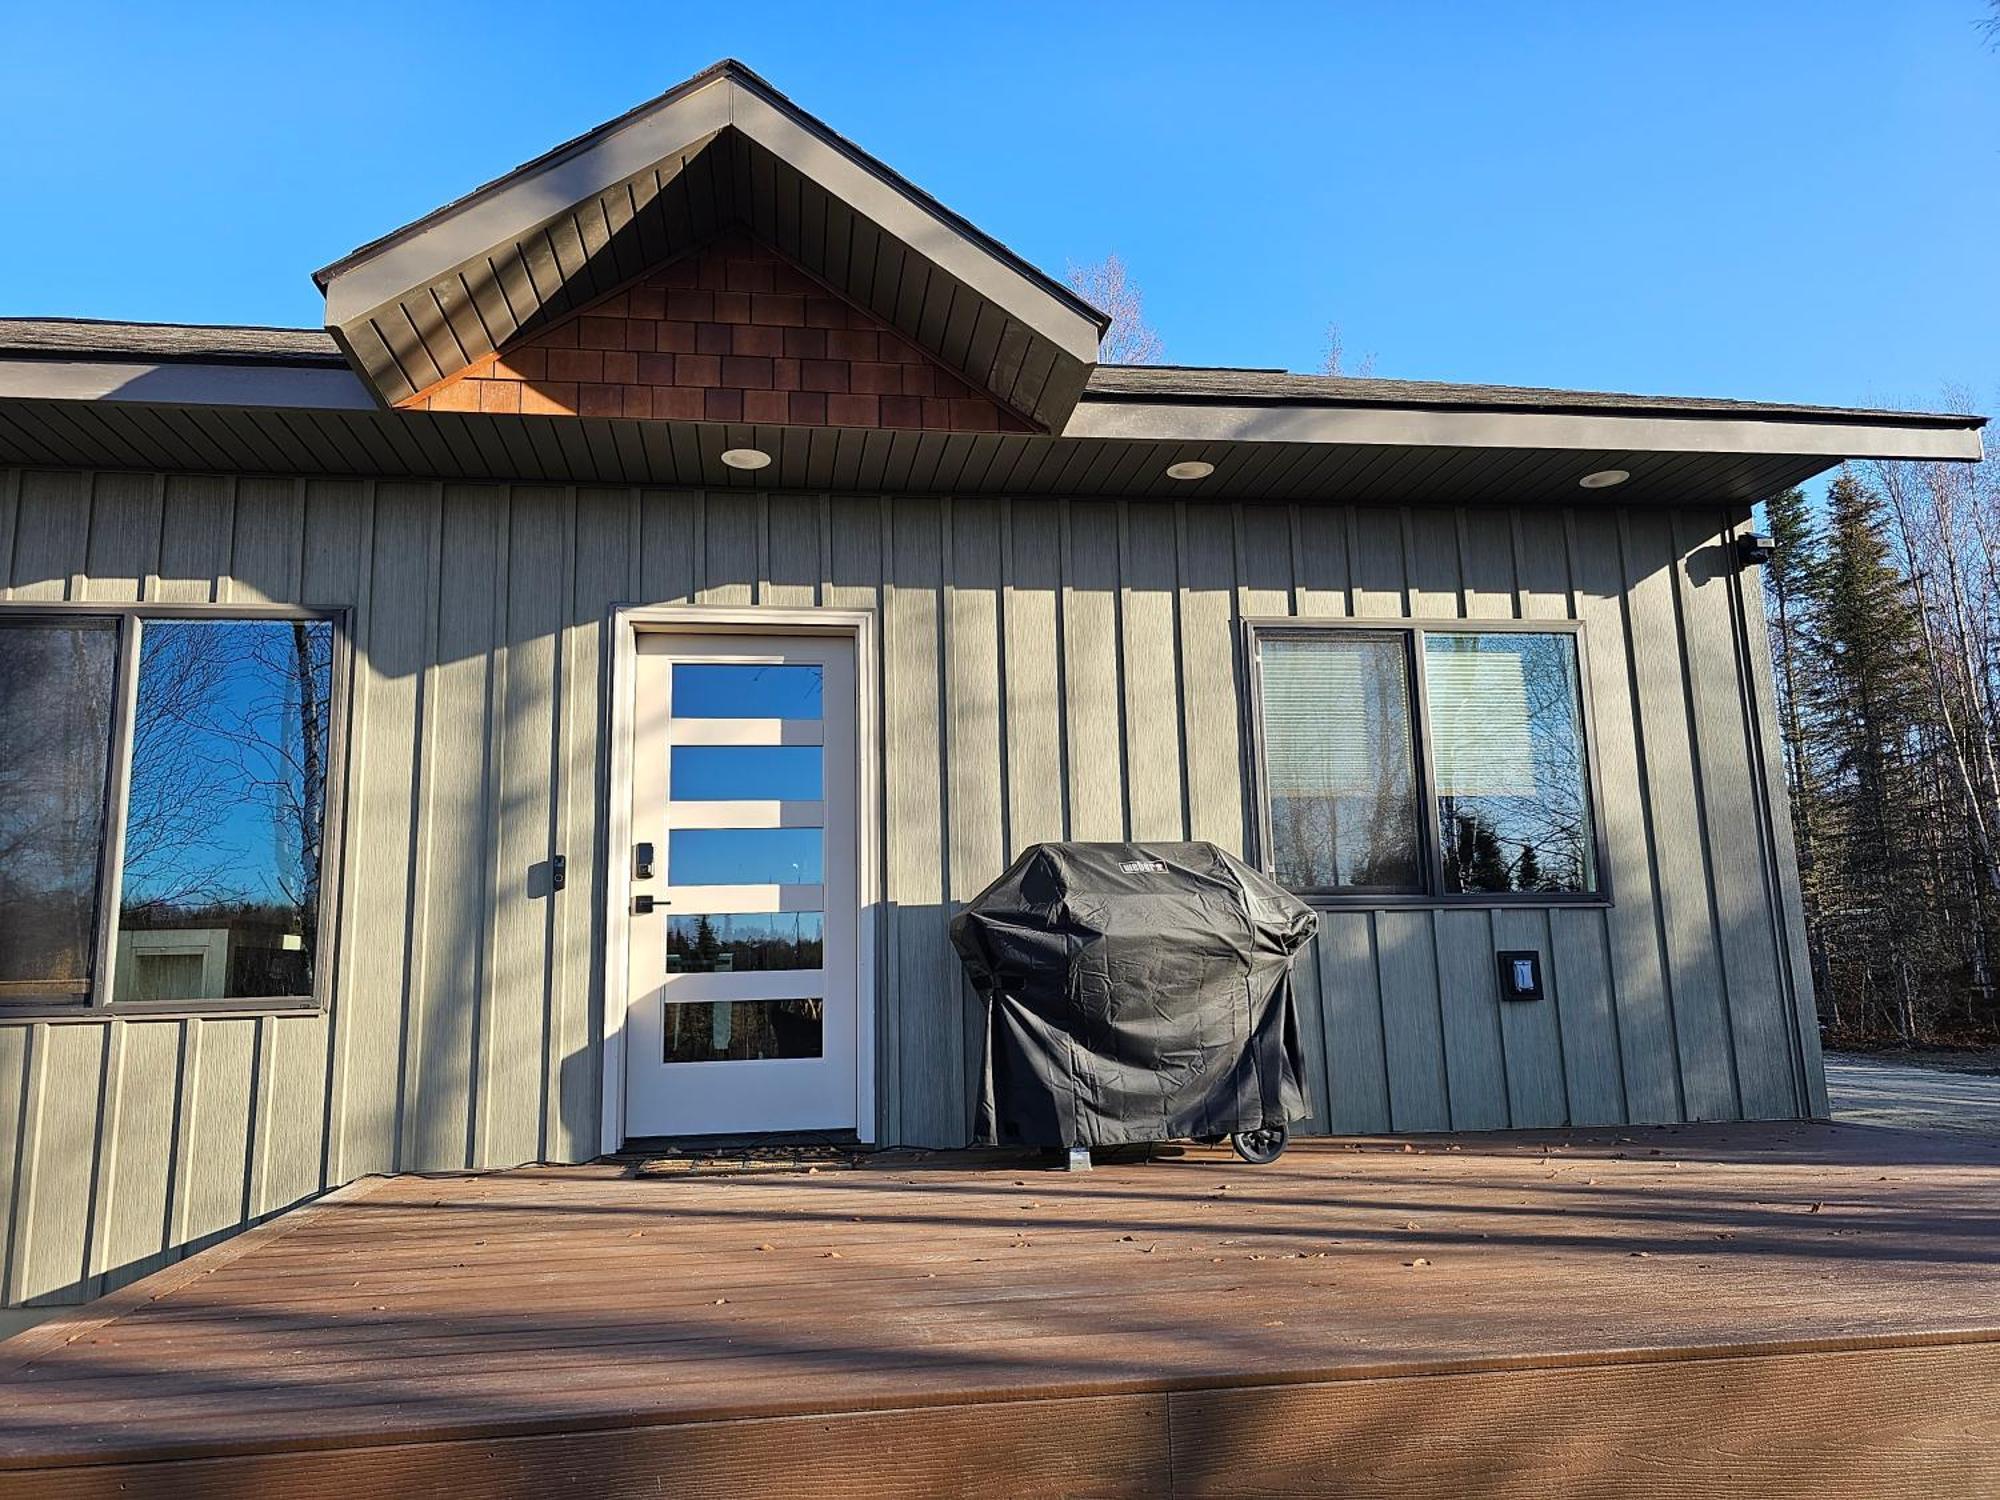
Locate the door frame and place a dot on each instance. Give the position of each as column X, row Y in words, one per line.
column 628, row 622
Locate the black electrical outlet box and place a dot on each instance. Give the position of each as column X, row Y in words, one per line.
column 1521, row 975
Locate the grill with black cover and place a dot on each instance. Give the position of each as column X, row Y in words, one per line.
column 1134, row 993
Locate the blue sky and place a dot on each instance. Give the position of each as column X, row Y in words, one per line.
column 1784, row 200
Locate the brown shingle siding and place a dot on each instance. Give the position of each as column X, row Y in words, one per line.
column 732, row 333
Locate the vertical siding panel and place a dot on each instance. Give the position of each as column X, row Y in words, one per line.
column 604, row 520
column 10, row 511
column 1645, row 1027
column 296, row 1113
column 1412, row 1027
column 794, row 568
column 336, row 521
column 1755, row 1002
column 1435, row 583
column 124, row 545
column 854, row 566
column 448, row 988
column 266, row 550
column 1357, row 1068
column 1090, row 673
column 931, row 1023
column 729, row 540
column 1475, row 1065
column 1580, row 968
column 16, row 1057
column 1537, row 1092
column 1700, row 1006
column 1486, row 564
column 1377, row 579
column 1770, row 778
column 196, row 538
column 1210, row 702
column 1320, row 563
column 1264, row 573
column 1147, row 582
column 1035, row 782
column 669, row 545
column 1542, row 547
column 218, row 1131
column 51, row 534
column 514, row 1034
column 59, row 1143
column 132, row 1211
column 402, row 584
column 976, row 850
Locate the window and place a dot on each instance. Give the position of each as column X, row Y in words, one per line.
column 1425, row 762
column 163, row 786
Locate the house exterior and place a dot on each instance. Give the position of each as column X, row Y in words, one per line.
column 564, row 701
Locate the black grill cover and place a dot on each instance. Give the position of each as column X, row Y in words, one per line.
column 1134, row 992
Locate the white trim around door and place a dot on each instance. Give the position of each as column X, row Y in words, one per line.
column 746, row 622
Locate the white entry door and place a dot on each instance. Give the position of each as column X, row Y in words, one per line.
column 743, row 1013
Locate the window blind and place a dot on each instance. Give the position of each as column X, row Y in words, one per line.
column 1479, row 718
column 1336, row 715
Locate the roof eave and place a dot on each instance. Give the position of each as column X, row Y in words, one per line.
column 318, row 386
column 1835, row 437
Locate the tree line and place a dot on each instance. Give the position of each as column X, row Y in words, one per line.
column 1884, row 613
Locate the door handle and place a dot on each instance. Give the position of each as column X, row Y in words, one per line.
column 642, row 906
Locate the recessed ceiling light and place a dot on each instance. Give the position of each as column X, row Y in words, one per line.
column 1603, row 479
column 1192, row 468
column 746, row 458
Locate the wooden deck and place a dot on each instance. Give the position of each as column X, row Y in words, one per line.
column 1790, row 1309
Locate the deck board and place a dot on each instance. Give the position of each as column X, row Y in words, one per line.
column 574, row 1320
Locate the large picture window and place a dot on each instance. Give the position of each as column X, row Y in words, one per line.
column 163, row 807
column 1426, row 761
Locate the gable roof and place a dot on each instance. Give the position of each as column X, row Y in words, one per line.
column 722, row 150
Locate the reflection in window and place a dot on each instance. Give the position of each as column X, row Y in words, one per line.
column 732, row 690
column 1508, row 754
column 744, row 1030
column 744, row 856
column 745, row 773
column 221, row 882
column 1339, row 762
column 55, row 737
column 726, row 944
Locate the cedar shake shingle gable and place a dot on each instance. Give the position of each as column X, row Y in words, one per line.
column 733, row 332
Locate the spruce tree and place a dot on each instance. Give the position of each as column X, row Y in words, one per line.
column 1868, row 694
column 1794, row 580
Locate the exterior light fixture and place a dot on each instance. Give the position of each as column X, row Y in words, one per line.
column 1754, row 548
column 1193, row 468
column 746, row 458
column 1603, row 479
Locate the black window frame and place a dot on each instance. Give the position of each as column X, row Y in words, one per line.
column 1412, row 633
column 128, row 620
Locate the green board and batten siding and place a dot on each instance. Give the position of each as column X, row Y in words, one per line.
column 1049, row 668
